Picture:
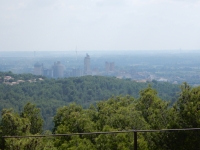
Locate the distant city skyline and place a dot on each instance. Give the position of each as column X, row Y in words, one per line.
column 99, row 25
column 174, row 67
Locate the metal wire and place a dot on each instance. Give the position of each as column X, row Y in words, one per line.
column 109, row 132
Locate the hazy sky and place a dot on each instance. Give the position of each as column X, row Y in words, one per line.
column 36, row 25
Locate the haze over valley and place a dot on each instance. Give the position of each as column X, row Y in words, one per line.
column 168, row 66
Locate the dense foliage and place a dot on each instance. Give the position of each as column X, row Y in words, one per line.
column 119, row 113
column 50, row 94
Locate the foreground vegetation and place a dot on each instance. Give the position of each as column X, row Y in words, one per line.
column 148, row 111
column 50, row 94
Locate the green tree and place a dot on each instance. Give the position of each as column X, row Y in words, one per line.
column 156, row 113
column 72, row 119
column 154, row 110
column 33, row 114
column 12, row 124
column 185, row 114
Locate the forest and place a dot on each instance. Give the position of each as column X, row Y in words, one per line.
column 118, row 113
column 50, row 94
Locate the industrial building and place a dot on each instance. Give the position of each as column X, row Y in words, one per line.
column 38, row 69
column 109, row 66
column 58, row 70
column 48, row 73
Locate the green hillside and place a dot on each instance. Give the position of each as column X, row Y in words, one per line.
column 121, row 113
column 50, row 94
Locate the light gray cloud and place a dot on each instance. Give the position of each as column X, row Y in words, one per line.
column 99, row 24
column 119, row 3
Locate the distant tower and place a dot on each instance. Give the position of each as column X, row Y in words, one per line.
column 109, row 66
column 87, row 65
column 38, row 69
column 58, row 70
column 112, row 66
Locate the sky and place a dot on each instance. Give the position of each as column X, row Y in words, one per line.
column 99, row 25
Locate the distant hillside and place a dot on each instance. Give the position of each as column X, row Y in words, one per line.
column 49, row 94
